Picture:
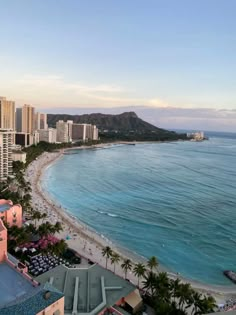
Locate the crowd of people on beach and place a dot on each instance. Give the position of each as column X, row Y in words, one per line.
column 229, row 305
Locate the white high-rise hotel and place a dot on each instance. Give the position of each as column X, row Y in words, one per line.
column 6, row 142
column 69, row 131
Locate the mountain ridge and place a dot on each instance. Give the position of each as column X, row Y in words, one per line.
column 124, row 126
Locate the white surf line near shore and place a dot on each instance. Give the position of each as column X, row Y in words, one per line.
column 86, row 242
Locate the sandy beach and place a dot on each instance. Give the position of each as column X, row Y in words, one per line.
column 86, row 241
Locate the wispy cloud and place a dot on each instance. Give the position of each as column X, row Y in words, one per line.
column 55, row 90
column 58, row 82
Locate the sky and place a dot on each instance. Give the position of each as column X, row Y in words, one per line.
column 104, row 53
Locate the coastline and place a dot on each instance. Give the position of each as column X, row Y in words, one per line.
column 87, row 242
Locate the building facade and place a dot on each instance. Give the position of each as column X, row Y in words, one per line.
column 84, row 132
column 40, row 121
column 26, row 116
column 24, row 295
column 62, row 131
column 7, row 114
column 19, row 120
column 48, row 135
column 6, row 142
column 24, row 139
column 12, row 214
column 18, row 156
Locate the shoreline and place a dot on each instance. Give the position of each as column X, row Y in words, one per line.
column 86, row 237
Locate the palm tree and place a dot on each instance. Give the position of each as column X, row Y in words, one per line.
column 58, row 227
column 30, row 229
column 162, row 287
column 44, row 216
column 60, row 247
column 115, row 258
column 174, row 286
column 127, row 265
column 139, row 271
column 107, row 252
column 149, row 282
column 36, row 216
column 184, row 294
column 152, row 263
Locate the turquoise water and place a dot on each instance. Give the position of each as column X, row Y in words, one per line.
column 176, row 201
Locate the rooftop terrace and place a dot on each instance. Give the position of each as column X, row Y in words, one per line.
column 87, row 290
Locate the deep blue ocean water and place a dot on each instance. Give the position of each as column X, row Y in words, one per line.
column 176, row 201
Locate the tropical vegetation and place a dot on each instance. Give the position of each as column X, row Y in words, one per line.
column 166, row 296
column 107, row 252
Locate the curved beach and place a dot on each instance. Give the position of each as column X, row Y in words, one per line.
column 82, row 239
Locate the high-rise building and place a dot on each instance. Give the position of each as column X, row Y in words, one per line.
column 84, row 132
column 48, row 135
column 40, row 121
column 62, row 131
column 24, row 139
column 95, row 133
column 78, row 132
column 19, row 119
column 27, row 119
column 7, row 114
column 6, row 142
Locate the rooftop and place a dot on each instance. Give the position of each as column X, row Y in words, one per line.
column 87, row 290
column 13, row 285
column 35, row 302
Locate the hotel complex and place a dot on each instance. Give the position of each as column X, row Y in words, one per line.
column 23, row 127
column 86, row 290
column 6, row 142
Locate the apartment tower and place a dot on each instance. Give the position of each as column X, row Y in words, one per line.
column 6, row 142
column 7, row 114
column 41, row 121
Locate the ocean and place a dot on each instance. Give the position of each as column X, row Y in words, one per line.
column 176, row 201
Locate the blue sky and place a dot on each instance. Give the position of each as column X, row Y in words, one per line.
column 118, row 53
column 107, row 53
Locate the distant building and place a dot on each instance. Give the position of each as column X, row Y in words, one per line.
column 24, row 139
column 48, row 135
column 7, row 114
column 12, row 214
column 197, row 136
column 35, row 137
column 78, row 132
column 40, row 121
column 84, row 132
column 63, row 129
column 6, row 142
column 18, row 156
column 69, row 131
column 19, row 120
column 25, row 119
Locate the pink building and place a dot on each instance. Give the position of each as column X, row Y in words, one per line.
column 3, row 242
column 22, row 294
column 12, row 214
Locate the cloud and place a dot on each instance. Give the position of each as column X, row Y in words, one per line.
column 55, row 90
column 155, row 102
column 58, row 82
